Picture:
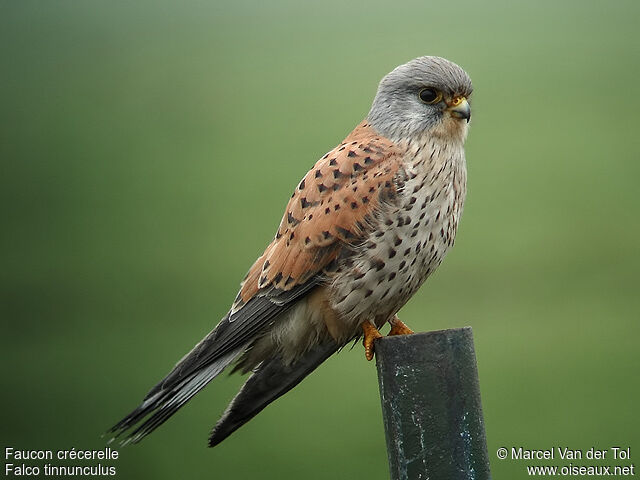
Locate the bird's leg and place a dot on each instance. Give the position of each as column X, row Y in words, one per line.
column 371, row 333
column 398, row 328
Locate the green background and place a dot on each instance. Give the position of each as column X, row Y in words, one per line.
column 147, row 152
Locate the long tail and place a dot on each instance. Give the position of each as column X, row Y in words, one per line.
column 269, row 381
column 232, row 336
column 162, row 403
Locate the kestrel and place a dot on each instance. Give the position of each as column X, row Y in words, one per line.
column 362, row 231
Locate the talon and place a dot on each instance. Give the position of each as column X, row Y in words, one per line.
column 371, row 334
column 398, row 327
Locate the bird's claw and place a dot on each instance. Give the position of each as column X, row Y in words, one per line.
column 371, row 334
column 399, row 328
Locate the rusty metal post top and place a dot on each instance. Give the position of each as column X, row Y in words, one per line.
column 431, row 406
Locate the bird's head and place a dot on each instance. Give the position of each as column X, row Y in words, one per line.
column 428, row 95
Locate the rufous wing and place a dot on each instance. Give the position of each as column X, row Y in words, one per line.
column 331, row 208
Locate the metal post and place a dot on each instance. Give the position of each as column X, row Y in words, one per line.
column 431, row 406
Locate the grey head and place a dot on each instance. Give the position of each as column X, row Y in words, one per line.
column 428, row 95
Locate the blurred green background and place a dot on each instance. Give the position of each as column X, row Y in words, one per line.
column 147, row 152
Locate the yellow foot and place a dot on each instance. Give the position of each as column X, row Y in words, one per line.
column 399, row 328
column 371, row 333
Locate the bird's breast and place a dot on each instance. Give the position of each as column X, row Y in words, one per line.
column 408, row 240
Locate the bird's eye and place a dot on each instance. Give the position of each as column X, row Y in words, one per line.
column 429, row 95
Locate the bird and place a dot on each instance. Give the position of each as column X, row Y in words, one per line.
column 362, row 231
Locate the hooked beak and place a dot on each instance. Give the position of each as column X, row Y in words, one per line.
column 460, row 108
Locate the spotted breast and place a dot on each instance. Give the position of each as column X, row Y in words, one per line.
column 410, row 235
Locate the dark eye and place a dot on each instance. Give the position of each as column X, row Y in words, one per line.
column 429, row 95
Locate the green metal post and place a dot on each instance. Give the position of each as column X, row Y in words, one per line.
column 431, row 406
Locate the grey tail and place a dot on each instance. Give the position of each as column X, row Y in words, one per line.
column 158, row 406
column 230, row 338
column 269, row 381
